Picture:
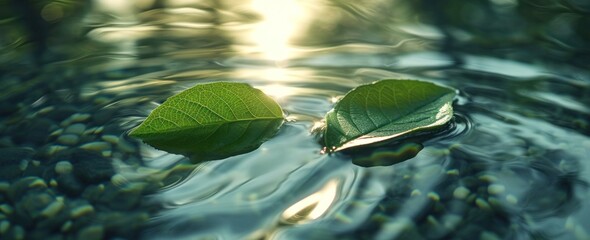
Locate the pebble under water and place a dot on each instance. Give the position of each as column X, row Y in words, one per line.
column 76, row 77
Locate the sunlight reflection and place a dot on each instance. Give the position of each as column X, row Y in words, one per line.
column 278, row 92
column 272, row 74
column 275, row 74
column 276, row 82
column 280, row 21
column 313, row 206
column 334, row 99
column 121, row 12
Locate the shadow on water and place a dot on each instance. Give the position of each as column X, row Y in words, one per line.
column 512, row 164
column 386, row 156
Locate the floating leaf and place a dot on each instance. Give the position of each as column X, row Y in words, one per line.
column 212, row 121
column 386, row 110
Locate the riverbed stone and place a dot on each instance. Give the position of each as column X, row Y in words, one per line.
column 4, row 186
column 451, row 221
column 126, row 146
column 496, row 189
column 482, row 204
column 53, row 183
column 52, row 209
column 488, row 178
column 103, row 116
column 34, row 203
column 14, row 155
column 23, row 185
column 110, row 138
column 96, row 146
column 402, row 228
column 11, row 160
column 433, row 196
column 93, row 192
column 6, row 142
column 461, row 192
column 487, row 235
column 63, row 167
column 6, row 209
column 511, row 199
column 67, row 226
column 98, row 130
column 53, row 150
column 18, row 233
column 92, row 167
column 4, row 226
column 94, row 232
column 54, row 215
column 44, row 235
column 68, row 139
column 76, row 129
column 122, row 197
column 79, row 117
column 107, row 153
column 23, row 165
column 119, row 180
column 34, row 131
column 132, row 221
column 69, row 184
column 82, row 210
column 62, row 112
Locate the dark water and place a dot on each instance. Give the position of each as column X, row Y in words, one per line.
column 77, row 76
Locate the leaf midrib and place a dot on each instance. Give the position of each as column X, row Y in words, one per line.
column 181, row 129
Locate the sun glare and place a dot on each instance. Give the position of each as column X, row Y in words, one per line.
column 278, row 92
column 278, row 25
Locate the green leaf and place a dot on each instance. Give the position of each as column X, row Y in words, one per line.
column 386, row 110
column 212, row 121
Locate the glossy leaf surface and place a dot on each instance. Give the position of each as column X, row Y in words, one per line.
column 212, row 121
column 386, row 110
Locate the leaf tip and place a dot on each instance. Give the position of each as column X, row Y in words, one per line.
column 135, row 132
column 132, row 134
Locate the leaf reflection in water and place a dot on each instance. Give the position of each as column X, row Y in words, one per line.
column 311, row 207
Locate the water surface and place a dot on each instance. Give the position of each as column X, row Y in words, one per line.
column 512, row 165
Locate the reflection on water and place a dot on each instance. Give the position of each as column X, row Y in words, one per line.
column 512, row 165
column 312, row 206
column 278, row 24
